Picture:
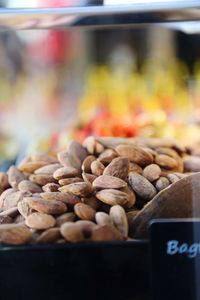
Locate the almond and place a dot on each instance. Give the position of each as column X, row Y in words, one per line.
column 42, row 179
column 50, row 187
column 48, row 159
column 30, row 167
column 72, row 232
column 86, row 166
column 69, row 198
column 12, row 199
column 52, row 207
column 105, row 233
column 15, row 177
column 28, row 186
column 162, row 183
column 118, row 216
column 3, row 181
column 24, row 209
column 173, row 178
column 89, row 144
column 112, row 197
column 67, row 181
column 65, row 172
column 97, row 168
column 103, row 219
column 88, row 178
column 166, row 161
column 119, row 167
column 4, row 195
column 81, row 189
column 191, row 163
column 133, row 167
column 141, row 186
column 108, row 182
column 152, row 172
column 84, row 211
column 86, row 227
column 67, row 217
column 135, row 154
column 77, row 150
column 107, row 156
column 14, row 234
column 131, row 197
column 48, row 169
column 49, row 236
column 40, row 221
column 57, row 196
column 69, row 160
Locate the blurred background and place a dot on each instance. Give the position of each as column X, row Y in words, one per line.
column 61, row 84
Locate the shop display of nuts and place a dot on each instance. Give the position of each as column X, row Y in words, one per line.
column 98, row 191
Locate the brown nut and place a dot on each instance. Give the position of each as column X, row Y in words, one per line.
column 107, row 156
column 105, row 233
column 141, row 186
column 84, row 211
column 67, row 181
column 42, row 179
column 48, row 169
column 97, row 168
column 152, row 172
column 67, row 217
column 86, row 166
column 162, row 183
column 135, row 154
column 92, row 201
column 119, row 167
column 40, row 221
column 118, row 216
column 49, row 236
column 103, row 219
column 51, row 187
column 88, row 178
column 72, row 232
column 81, row 189
column 14, row 234
column 166, row 161
column 28, row 186
column 112, row 197
column 15, row 177
column 30, row 167
column 65, row 172
column 52, row 207
column 108, row 182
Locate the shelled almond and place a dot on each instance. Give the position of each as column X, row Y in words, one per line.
column 89, row 192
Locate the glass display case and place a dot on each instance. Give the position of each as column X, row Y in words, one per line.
column 100, row 137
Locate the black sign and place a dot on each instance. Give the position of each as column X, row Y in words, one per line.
column 175, row 252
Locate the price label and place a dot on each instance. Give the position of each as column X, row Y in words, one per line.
column 175, row 254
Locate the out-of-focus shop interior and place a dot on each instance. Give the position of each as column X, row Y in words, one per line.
column 59, row 84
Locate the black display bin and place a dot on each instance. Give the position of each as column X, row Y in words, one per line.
column 112, row 270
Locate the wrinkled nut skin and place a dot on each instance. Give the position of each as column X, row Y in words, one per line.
column 51, row 187
column 97, row 168
column 172, row 178
column 162, row 183
column 88, row 178
column 84, row 211
column 72, row 232
column 14, row 234
column 42, row 179
column 40, row 221
column 108, row 182
column 141, row 186
column 112, row 197
column 133, row 167
column 49, row 236
column 30, row 167
column 15, row 177
column 52, row 207
column 67, row 181
column 166, row 161
column 135, row 154
column 118, row 216
column 81, row 189
column 28, row 186
column 152, row 172
column 24, row 209
column 65, row 172
column 86, row 166
column 119, row 167
column 107, row 156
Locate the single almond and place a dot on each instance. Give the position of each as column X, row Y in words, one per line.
column 30, row 167
column 162, row 183
column 72, row 232
column 4, row 195
column 24, row 209
column 28, row 186
column 42, row 179
column 141, row 186
column 167, row 151
column 77, row 150
column 57, row 196
column 107, row 156
column 15, row 176
column 52, row 207
column 48, row 159
column 84, row 211
column 97, row 168
column 118, row 216
column 14, row 234
column 68, row 198
column 81, row 189
column 48, row 169
column 105, row 233
column 86, row 166
column 67, row 181
column 51, row 187
column 50, row 235
column 69, row 160
column 135, row 154
column 108, row 182
column 119, row 167
column 66, row 217
column 13, row 199
column 65, row 172
column 112, row 197
column 88, row 178
column 166, row 161
column 89, row 144
column 40, row 221
column 131, row 196
column 152, row 172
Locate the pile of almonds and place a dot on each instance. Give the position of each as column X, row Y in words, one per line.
column 90, row 192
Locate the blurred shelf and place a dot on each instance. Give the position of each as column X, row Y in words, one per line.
column 142, row 12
